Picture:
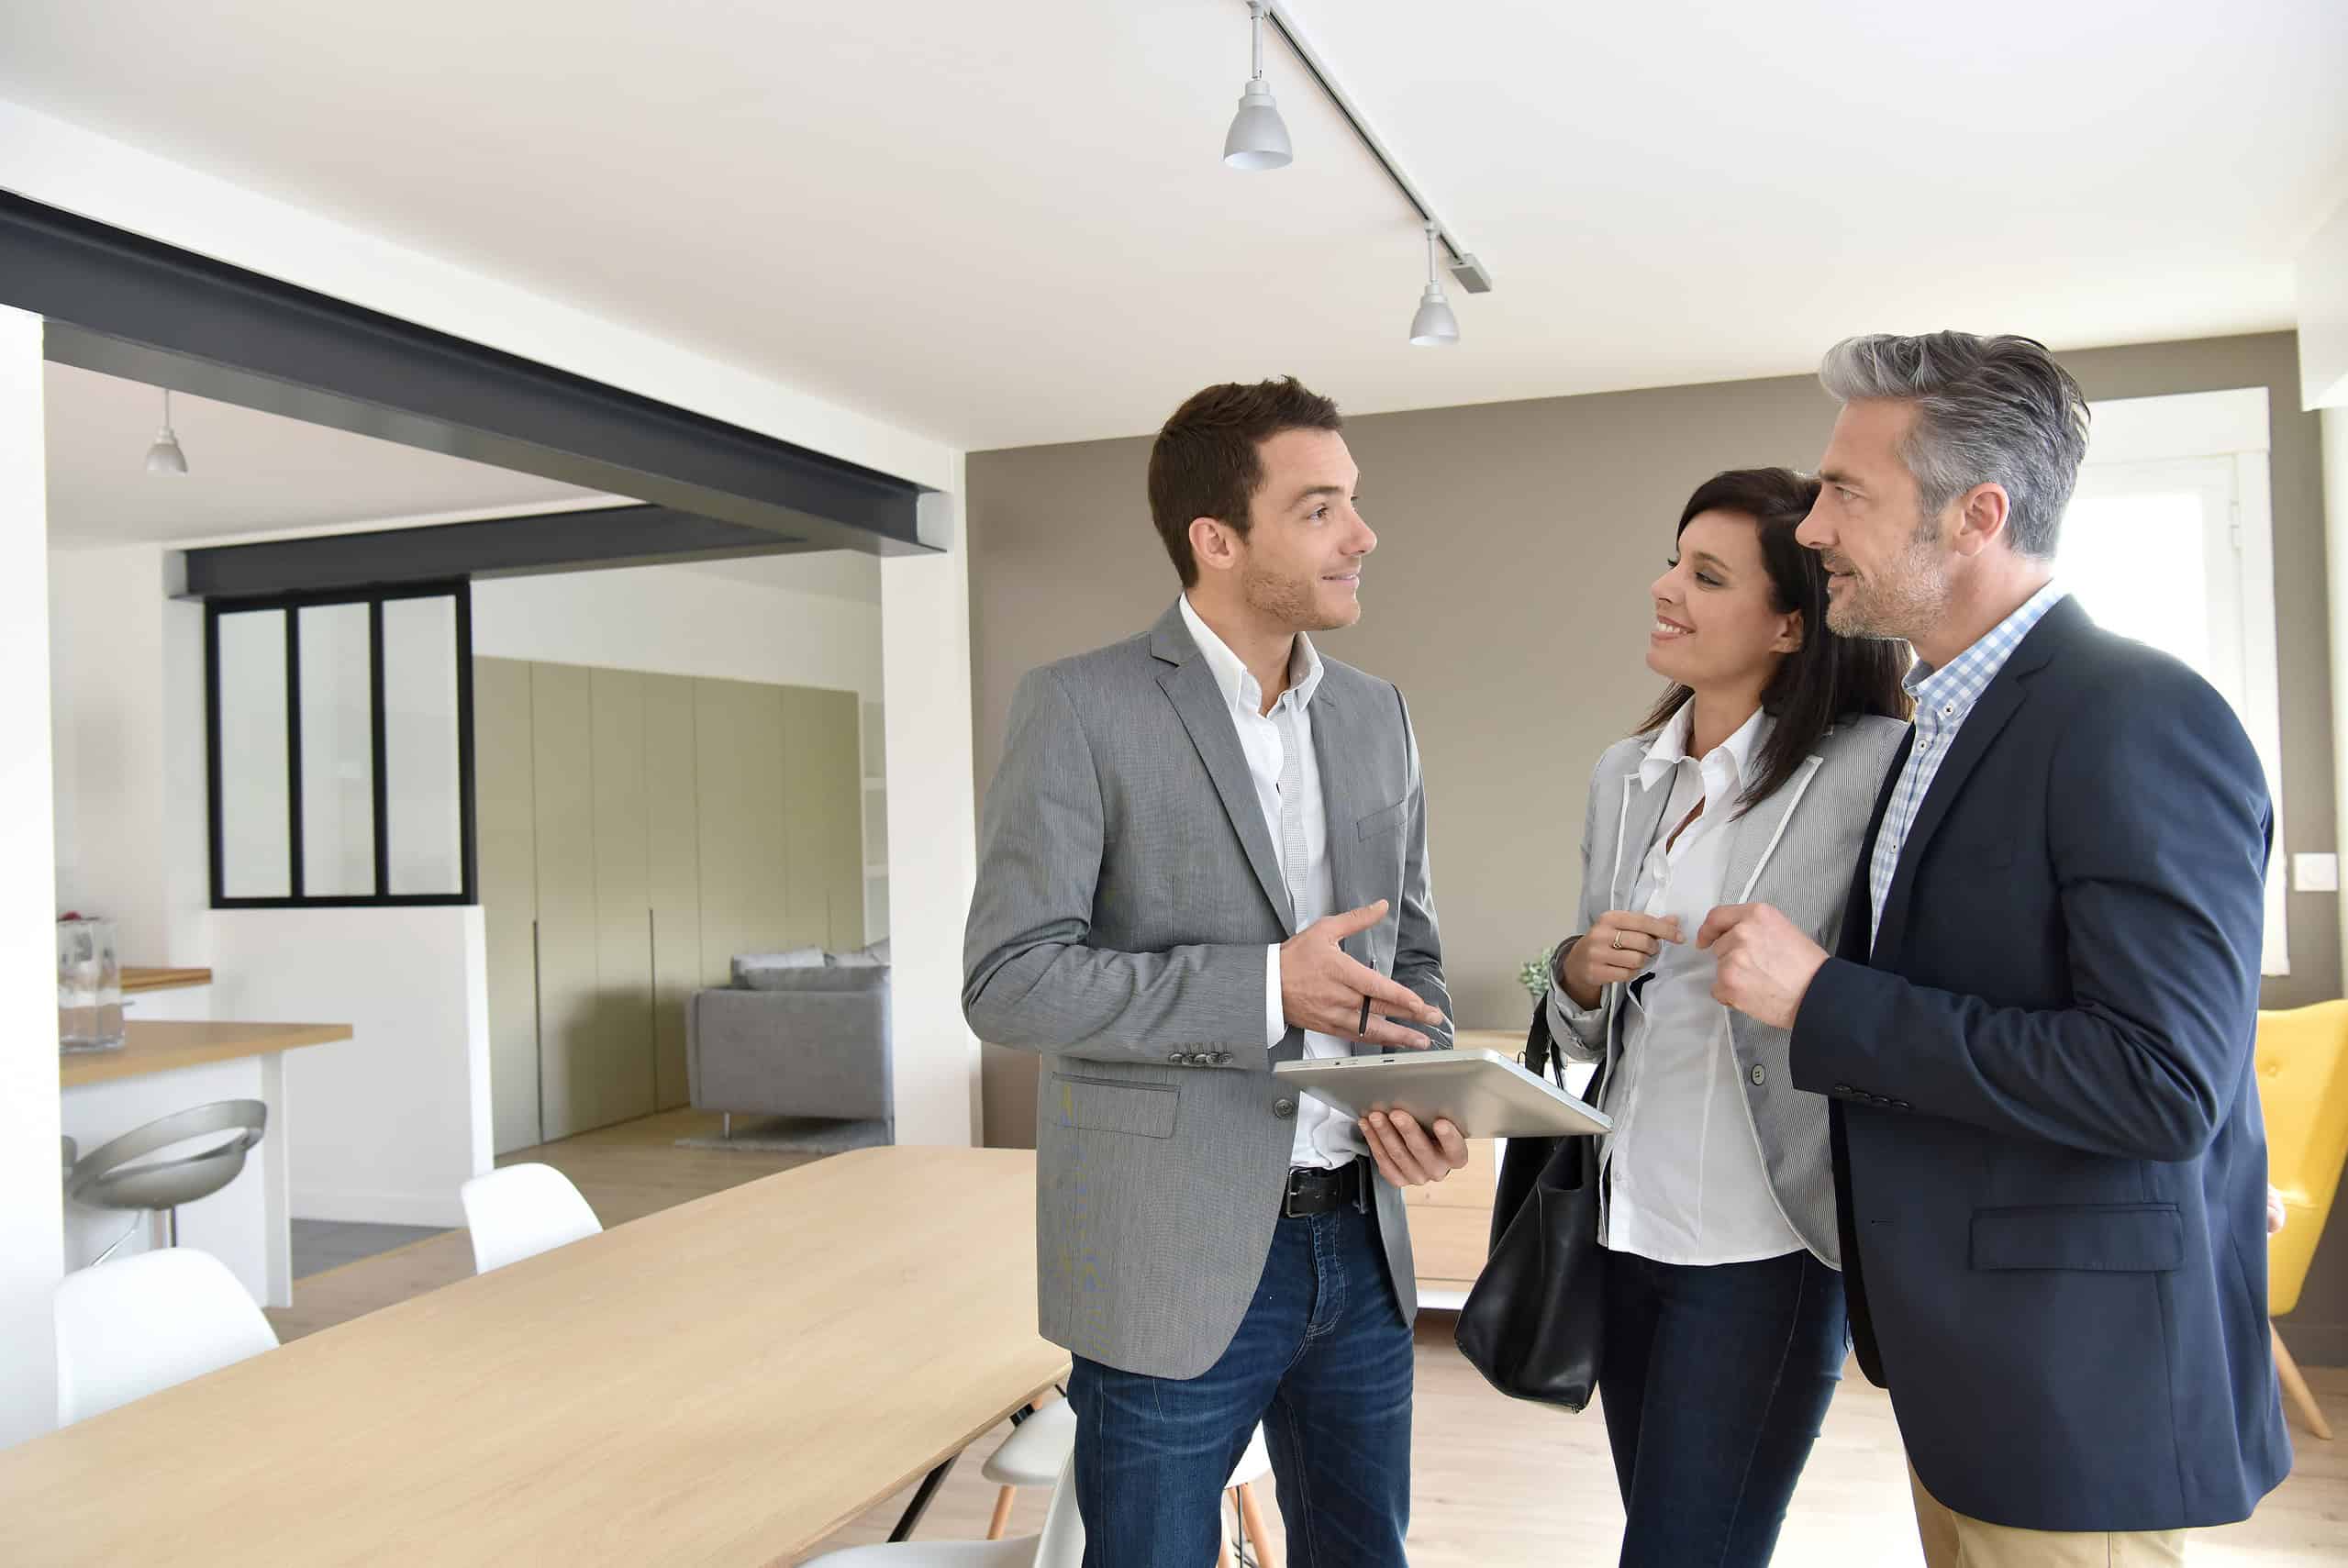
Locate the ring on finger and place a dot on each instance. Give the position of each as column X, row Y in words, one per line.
column 1618, row 941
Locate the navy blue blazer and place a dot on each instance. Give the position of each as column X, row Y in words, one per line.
column 2050, row 1163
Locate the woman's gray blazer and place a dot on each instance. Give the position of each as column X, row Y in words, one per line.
column 1797, row 849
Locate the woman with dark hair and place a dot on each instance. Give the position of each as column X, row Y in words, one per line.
column 1754, row 776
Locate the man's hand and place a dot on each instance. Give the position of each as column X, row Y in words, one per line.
column 1616, row 949
column 1405, row 1157
column 1766, row 963
column 1321, row 988
column 2275, row 1213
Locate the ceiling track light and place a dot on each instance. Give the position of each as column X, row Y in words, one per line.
column 1258, row 137
column 1434, row 326
column 164, row 456
column 1466, row 270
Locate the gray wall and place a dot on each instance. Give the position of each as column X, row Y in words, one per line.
column 1507, row 599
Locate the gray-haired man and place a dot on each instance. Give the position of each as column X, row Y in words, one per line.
column 2037, row 1037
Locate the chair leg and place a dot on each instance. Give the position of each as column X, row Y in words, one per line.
column 147, row 1220
column 1002, row 1513
column 2296, row 1392
column 726, row 1125
column 173, row 1214
column 1251, row 1520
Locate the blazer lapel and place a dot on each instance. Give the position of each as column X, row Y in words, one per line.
column 1643, row 818
column 1859, row 910
column 1336, row 748
column 1759, row 832
column 1190, row 685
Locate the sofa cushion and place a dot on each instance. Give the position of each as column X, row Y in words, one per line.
column 842, row 977
column 864, row 960
column 759, row 970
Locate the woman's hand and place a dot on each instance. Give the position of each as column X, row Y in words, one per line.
column 1614, row 950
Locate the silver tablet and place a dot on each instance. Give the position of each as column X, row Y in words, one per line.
column 1482, row 1093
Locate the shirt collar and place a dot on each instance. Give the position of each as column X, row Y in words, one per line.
column 1239, row 685
column 1949, row 692
column 1669, row 748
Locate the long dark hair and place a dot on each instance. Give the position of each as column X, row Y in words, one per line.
column 1829, row 677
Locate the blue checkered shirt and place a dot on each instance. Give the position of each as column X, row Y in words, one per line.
column 1945, row 699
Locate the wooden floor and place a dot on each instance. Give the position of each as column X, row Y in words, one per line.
column 1495, row 1483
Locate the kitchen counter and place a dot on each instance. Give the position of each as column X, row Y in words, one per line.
column 167, row 1047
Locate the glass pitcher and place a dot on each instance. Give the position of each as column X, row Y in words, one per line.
column 89, row 986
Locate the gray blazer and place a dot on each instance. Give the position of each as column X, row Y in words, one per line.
column 1127, row 891
column 1796, row 849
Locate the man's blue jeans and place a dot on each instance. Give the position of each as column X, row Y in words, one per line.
column 1322, row 1359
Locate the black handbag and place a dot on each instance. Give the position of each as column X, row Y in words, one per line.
column 1533, row 1325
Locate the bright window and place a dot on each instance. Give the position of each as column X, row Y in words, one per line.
column 2170, row 540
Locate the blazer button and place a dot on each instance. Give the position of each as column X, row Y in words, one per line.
column 1760, row 1075
column 1178, row 1060
column 1842, row 1088
column 1221, row 1059
column 1283, row 1109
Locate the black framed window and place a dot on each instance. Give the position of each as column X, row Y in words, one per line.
column 340, row 733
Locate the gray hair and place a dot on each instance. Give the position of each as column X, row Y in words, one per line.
column 1988, row 410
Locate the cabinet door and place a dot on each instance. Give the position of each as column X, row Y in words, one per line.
column 622, row 1027
column 502, row 817
column 563, row 752
column 673, row 856
column 822, row 810
column 738, row 779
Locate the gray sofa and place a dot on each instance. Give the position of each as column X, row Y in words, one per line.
column 798, row 1034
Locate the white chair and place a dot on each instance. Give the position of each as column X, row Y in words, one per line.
column 145, row 1322
column 1039, row 1449
column 522, row 1210
column 1061, row 1545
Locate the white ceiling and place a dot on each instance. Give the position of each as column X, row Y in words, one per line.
column 253, row 473
column 1006, row 223
column 247, row 471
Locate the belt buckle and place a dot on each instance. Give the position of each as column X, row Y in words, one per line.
column 1294, row 1189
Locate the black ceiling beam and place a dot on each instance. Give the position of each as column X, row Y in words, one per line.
column 498, row 547
column 125, row 305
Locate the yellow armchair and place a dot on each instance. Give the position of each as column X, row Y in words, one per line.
column 2303, row 1093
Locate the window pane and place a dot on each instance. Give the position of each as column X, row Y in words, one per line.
column 337, row 754
column 420, row 745
column 2139, row 565
column 256, row 845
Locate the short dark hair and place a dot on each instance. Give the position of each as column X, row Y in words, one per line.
column 1829, row 677
column 1206, row 462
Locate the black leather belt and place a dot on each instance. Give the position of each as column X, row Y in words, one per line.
column 1312, row 1190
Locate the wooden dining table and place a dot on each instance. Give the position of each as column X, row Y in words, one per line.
column 726, row 1382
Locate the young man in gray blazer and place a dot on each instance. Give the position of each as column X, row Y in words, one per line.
column 1205, row 853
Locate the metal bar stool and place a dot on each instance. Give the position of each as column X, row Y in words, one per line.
column 110, row 1177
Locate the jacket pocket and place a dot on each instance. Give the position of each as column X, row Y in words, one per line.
column 1386, row 819
column 1105, row 1104
column 2147, row 1237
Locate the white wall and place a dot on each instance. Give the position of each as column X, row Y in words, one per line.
column 932, row 833
column 2323, row 309
column 2335, row 537
column 31, row 1204
column 387, row 1125
column 126, row 691
column 671, row 621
